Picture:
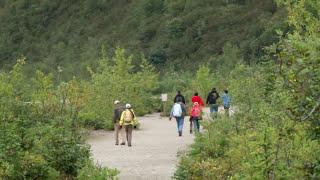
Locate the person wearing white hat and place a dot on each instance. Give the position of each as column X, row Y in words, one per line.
column 127, row 121
column 118, row 131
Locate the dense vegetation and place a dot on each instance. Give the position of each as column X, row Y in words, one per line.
column 62, row 33
column 275, row 132
column 42, row 123
column 70, row 64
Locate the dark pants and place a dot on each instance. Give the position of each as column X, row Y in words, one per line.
column 196, row 123
column 226, row 110
column 128, row 129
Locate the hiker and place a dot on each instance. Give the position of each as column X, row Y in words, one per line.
column 212, row 100
column 195, row 116
column 116, row 118
column 178, row 111
column 198, row 99
column 127, row 121
column 179, row 97
column 226, row 101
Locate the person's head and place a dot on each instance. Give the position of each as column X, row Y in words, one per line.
column 179, row 92
column 214, row 89
column 195, row 104
column 196, row 94
column 116, row 102
column 128, row 106
column 226, row 91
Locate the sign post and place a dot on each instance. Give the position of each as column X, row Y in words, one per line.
column 164, row 99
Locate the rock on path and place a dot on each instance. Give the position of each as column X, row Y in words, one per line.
column 153, row 154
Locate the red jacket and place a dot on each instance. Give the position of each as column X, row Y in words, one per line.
column 198, row 99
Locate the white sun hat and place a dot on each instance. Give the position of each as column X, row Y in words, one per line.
column 116, row 102
column 128, row 106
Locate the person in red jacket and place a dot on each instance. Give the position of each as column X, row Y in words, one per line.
column 198, row 99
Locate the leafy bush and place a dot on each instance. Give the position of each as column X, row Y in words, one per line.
column 96, row 172
column 116, row 79
column 41, row 136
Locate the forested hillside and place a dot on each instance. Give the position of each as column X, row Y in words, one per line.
column 62, row 33
column 64, row 63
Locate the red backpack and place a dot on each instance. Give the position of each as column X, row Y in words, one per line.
column 196, row 111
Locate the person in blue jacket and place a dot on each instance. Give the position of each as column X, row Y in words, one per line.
column 226, row 101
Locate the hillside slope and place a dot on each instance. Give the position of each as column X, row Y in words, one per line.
column 71, row 34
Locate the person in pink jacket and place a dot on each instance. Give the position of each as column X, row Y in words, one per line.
column 195, row 117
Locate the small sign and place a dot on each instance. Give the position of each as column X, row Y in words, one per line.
column 164, row 97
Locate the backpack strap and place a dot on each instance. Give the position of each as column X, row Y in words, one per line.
column 133, row 115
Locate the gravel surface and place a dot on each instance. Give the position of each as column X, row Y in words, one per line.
column 153, row 154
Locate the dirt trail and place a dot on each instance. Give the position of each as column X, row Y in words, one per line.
column 153, row 154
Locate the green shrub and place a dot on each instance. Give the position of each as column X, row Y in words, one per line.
column 41, row 136
column 117, row 80
column 96, row 172
column 63, row 151
column 36, row 167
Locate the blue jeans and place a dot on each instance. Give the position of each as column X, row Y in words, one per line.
column 180, row 121
column 214, row 108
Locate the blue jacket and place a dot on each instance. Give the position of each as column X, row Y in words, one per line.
column 226, row 100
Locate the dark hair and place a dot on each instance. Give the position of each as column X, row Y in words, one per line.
column 179, row 92
column 214, row 89
column 226, row 91
column 196, row 94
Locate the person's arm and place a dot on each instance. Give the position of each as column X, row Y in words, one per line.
column 184, row 109
column 121, row 119
column 135, row 120
column 114, row 115
column 201, row 102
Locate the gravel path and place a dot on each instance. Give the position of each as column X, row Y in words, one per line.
column 153, row 154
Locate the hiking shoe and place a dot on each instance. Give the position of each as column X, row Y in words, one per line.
column 191, row 131
column 123, row 144
column 129, row 145
column 117, row 144
column 180, row 133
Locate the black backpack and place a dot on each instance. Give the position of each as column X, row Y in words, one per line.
column 178, row 99
column 213, row 98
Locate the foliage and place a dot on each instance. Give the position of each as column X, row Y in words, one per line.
column 261, row 140
column 96, row 172
column 53, row 34
column 117, row 80
column 275, row 131
column 41, row 137
column 203, row 82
